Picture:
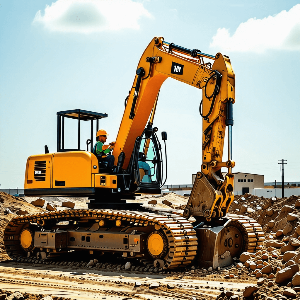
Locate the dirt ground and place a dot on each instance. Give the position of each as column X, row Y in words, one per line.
column 270, row 273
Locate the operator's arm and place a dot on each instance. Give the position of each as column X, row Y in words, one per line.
column 107, row 148
column 102, row 149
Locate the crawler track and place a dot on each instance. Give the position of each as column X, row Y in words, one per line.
column 253, row 232
column 180, row 238
column 180, row 235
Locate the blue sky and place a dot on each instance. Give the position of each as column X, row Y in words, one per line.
column 83, row 54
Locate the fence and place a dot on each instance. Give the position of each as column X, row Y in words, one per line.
column 177, row 186
column 268, row 193
column 13, row 192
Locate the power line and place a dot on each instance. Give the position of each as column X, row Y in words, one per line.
column 282, row 163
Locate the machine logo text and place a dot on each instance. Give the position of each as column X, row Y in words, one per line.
column 177, row 68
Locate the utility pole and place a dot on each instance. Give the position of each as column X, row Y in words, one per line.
column 282, row 185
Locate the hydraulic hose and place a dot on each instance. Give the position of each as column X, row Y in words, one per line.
column 213, row 96
column 133, row 165
column 162, row 173
column 159, row 166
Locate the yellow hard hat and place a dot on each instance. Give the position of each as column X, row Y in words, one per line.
column 101, row 132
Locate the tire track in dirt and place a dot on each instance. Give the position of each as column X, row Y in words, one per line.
column 86, row 284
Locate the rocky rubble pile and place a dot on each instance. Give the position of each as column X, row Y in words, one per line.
column 6, row 295
column 276, row 266
column 271, row 213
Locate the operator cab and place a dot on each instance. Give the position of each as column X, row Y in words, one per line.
column 79, row 115
column 145, row 171
column 150, row 161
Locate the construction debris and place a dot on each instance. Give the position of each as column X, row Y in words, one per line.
column 68, row 204
column 38, row 202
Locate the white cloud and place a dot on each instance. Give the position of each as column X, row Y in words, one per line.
column 281, row 32
column 87, row 16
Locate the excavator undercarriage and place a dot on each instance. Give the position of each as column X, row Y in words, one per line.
column 163, row 239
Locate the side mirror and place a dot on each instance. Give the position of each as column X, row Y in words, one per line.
column 46, row 149
column 164, row 135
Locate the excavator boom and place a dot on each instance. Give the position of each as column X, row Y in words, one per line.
column 160, row 61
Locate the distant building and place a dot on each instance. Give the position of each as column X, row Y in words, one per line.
column 246, row 183
column 250, row 183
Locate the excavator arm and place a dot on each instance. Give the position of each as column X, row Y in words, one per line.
column 212, row 192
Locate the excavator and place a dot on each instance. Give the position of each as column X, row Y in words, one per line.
column 115, row 222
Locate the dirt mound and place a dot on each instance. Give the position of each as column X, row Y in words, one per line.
column 10, row 204
column 10, row 207
column 276, row 266
column 272, row 214
column 26, row 296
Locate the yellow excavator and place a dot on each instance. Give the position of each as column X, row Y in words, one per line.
column 112, row 224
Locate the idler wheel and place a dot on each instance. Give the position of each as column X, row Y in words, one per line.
column 26, row 239
column 233, row 240
column 157, row 244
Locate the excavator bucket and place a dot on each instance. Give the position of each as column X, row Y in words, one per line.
column 203, row 199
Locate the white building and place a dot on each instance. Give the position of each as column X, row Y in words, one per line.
column 246, row 183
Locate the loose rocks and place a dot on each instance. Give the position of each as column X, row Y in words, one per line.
column 296, row 279
column 249, row 290
column 39, row 202
column 274, row 243
column 245, row 256
column 50, row 207
column 286, row 273
column 291, row 217
column 68, row 204
column 288, row 255
column 154, row 285
column 287, row 229
column 287, row 209
column 289, row 293
column 267, row 269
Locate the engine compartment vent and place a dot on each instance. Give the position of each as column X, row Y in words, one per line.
column 40, row 170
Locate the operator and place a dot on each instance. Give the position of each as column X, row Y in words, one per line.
column 145, row 167
column 102, row 151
